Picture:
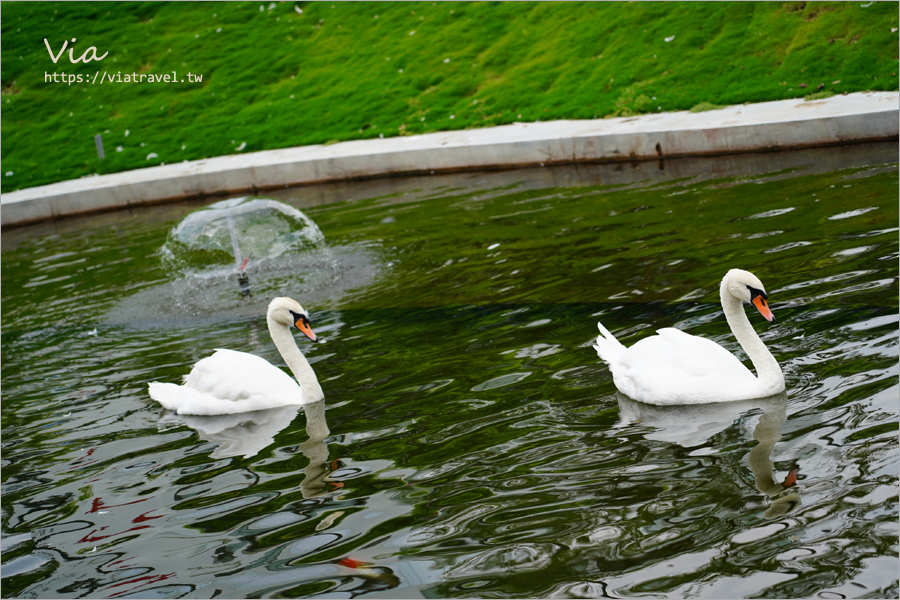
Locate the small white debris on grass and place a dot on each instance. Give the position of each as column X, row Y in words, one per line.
column 670, row 38
column 152, row 155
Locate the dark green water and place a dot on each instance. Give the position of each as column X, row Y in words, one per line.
column 471, row 444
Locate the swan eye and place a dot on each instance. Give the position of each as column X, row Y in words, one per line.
column 755, row 292
column 299, row 317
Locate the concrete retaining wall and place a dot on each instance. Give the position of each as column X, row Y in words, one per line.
column 747, row 128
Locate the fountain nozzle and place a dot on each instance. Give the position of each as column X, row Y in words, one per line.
column 244, row 283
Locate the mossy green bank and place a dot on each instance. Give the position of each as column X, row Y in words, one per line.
column 282, row 74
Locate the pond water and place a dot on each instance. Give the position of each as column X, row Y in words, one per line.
column 471, row 444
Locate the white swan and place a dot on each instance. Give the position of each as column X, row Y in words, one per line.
column 674, row 367
column 233, row 382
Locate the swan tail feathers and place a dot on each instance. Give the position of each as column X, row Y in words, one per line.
column 184, row 400
column 166, row 394
column 608, row 347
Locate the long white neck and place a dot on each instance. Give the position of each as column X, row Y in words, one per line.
column 768, row 372
column 295, row 360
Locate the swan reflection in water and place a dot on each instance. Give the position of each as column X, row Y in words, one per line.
column 246, row 434
column 692, row 425
column 239, row 434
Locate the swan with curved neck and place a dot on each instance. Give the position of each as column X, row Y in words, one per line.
column 674, row 367
column 233, row 382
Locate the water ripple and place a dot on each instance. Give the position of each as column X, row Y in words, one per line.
column 471, row 443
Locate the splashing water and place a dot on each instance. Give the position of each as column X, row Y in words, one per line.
column 231, row 231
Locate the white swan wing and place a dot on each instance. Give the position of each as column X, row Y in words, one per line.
column 699, row 356
column 239, row 377
column 674, row 367
column 229, row 382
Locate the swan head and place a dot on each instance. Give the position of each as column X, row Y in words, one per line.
column 288, row 312
column 746, row 287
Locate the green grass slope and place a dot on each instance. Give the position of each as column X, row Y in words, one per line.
column 281, row 74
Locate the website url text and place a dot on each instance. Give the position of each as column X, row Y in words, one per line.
column 120, row 77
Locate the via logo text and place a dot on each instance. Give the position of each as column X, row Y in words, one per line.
column 89, row 54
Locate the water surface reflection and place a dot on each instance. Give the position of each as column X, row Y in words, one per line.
column 241, row 434
column 470, row 444
column 692, row 425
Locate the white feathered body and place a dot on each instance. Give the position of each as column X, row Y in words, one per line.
column 229, row 382
column 674, row 367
